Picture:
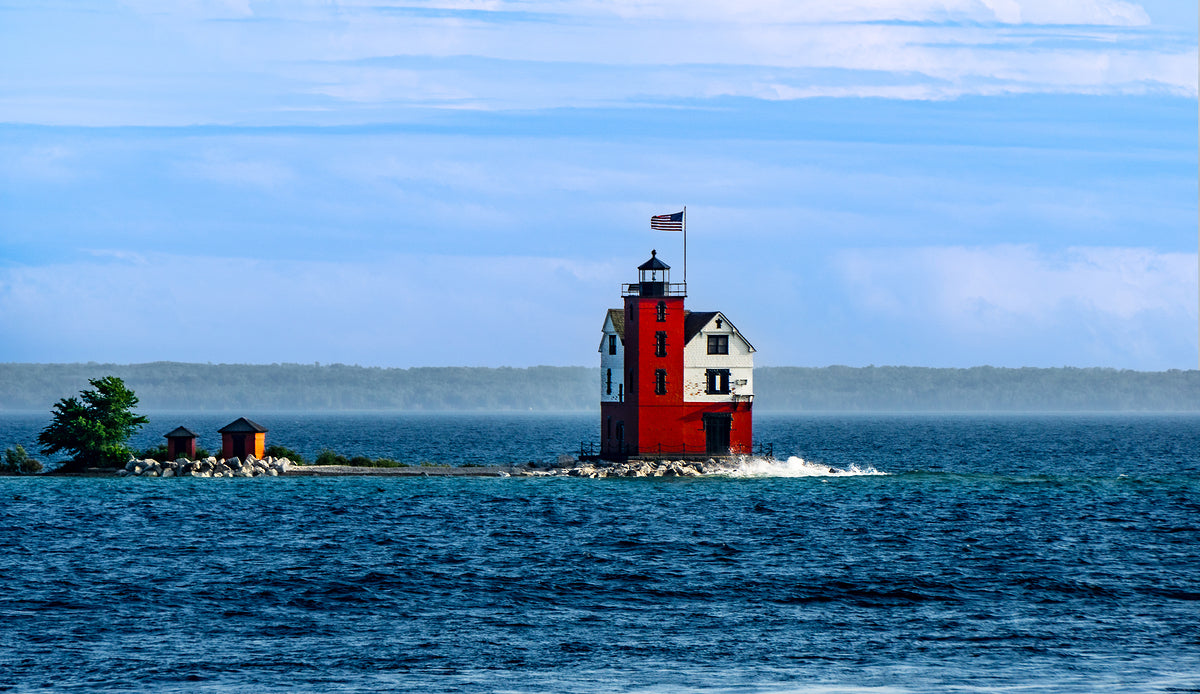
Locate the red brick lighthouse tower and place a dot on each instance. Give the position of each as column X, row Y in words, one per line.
column 673, row 382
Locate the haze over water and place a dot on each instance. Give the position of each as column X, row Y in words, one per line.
column 1031, row 553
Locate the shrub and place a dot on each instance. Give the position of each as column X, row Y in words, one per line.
column 388, row 462
column 158, row 452
column 328, row 457
column 16, row 460
column 281, row 452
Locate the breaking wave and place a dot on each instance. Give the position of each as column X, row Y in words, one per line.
column 794, row 466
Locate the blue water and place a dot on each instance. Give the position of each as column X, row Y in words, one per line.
column 1019, row 553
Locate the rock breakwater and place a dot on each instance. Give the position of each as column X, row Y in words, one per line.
column 566, row 466
column 207, row 467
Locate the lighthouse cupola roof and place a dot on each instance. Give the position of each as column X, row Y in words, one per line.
column 653, row 264
column 654, row 279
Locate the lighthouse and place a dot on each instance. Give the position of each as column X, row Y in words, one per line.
column 673, row 382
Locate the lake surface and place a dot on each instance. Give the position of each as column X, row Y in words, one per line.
column 945, row 553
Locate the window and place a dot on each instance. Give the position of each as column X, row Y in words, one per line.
column 662, row 311
column 620, row 431
column 716, row 381
column 660, row 344
column 718, row 344
column 660, row 381
column 612, row 344
column 621, row 392
column 608, row 382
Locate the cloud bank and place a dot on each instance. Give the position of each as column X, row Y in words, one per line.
column 1079, row 305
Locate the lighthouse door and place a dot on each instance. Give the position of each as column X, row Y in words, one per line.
column 716, row 434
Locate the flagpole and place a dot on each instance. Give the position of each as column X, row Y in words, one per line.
column 685, row 246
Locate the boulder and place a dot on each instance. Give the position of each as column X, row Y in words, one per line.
column 168, row 472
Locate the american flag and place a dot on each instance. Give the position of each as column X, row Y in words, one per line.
column 667, row 222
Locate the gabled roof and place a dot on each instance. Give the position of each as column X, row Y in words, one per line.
column 694, row 322
column 241, row 425
column 617, row 316
column 181, row 433
column 654, row 263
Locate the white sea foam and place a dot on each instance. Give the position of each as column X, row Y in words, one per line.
column 794, row 466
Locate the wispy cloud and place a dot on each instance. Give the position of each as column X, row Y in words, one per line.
column 260, row 62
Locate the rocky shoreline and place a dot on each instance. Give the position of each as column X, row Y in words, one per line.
column 207, row 467
column 567, row 466
column 564, row 466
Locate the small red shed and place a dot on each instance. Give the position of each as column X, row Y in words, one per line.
column 181, row 443
column 243, row 437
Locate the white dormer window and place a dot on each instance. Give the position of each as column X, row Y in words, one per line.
column 718, row 344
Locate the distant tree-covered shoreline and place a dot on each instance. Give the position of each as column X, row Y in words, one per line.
column 334, row 387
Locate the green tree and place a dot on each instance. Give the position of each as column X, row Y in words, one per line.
column 94, row 427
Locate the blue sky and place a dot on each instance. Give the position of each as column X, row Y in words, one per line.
column 917, row 182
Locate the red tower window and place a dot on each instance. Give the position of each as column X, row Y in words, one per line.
column 662, row 312
column 660, row 344
column 660, row 381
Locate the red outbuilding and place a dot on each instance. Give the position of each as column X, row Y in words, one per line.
column 181, row 443
column 673, row 382
column 241, row 438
